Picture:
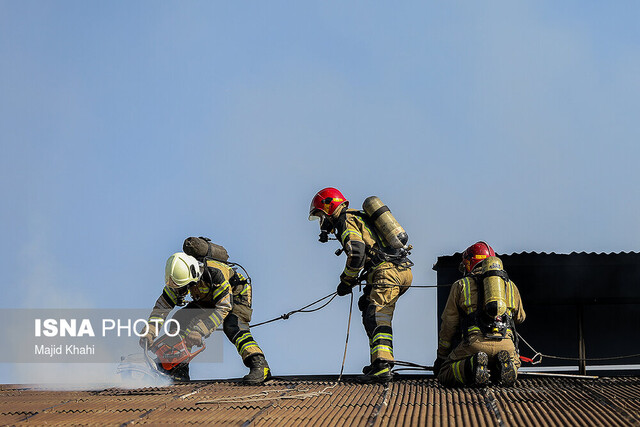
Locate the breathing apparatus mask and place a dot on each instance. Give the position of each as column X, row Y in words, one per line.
column 326, row 224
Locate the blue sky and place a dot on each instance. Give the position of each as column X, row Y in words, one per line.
column 127, row 126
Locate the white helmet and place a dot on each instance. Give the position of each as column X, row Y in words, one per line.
column 181, row 269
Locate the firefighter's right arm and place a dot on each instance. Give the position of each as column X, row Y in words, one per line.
column 450, row 321
column 354, row 246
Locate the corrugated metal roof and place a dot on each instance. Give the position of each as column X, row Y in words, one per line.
column 573, row 257
column 408, row 400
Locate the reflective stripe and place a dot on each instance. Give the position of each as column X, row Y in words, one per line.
column 351, row 272
column 376, row 267
column 239, row 340
column 172, row 295
column 512, row 299
column 466, row 290
column 382, row 347
column 473, row 329
column 457, row 372
column 385, row 370
column 245, row 289
column 347, row 232
column 444, row 343
column 221, row 289
column 382, row 336
column 248, row 345
column 364, row 224
column 215, row 319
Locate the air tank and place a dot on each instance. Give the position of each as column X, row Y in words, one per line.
column 390, row 230
column 495, row 301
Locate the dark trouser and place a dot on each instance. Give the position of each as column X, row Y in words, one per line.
column 236, row 328
column 385, row 285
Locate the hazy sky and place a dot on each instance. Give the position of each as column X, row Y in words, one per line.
column 127, row 126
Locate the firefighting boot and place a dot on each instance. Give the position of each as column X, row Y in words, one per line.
column 477, row 369
column 378, row 372
column 259, row 371
column 506, row 369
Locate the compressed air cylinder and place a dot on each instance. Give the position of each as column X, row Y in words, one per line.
column 495, row 301
column 391, row 231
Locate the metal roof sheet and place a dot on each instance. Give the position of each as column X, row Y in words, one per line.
column 408, row 400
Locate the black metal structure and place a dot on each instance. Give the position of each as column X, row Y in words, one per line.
column 578, row 305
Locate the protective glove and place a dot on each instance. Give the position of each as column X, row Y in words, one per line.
column 363, row 303
column 343, row 289
column 437, row 365
column 147, row 340
column 193, row 338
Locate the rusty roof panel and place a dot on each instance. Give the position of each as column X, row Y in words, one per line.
column 409, row 400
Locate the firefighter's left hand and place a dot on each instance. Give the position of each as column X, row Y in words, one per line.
column 343, row 289
column 193, row 339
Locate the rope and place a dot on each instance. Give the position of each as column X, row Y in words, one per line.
column 300, row 310
column 346, row 342
column 576, row 359
column 262, row 396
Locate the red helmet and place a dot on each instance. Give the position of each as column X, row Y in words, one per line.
column 474, row 254
column 326, row 200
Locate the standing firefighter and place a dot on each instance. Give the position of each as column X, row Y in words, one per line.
column 376, row 248
column 480, row 317
column 220, row 295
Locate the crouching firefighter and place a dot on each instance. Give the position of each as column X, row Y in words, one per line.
column 477, row 341
column 376, row 249
column 220, row 295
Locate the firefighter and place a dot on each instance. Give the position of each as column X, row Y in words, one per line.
column 387, row 273
column 220, row 295
column 477, row 341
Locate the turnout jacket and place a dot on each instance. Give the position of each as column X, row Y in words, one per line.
column 357, row 237
column 463, row 301
column 212, row 297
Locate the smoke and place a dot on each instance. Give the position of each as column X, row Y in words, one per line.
column 129, row 374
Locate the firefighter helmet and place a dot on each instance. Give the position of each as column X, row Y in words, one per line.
column 181, row 269
column 474, row 254
column 326, row 200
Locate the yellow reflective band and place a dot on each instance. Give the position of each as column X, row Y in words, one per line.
column 364, row 224
column 466, row 288
column 473, row 329
column 245, row 289
column 351, row 272
column 375, row 267
column 248, row 345
column 347, row 232
column 171, row 294
column 382, row 347
column 221, row 289
column 215, row 319
column 243, row 336
column 382, row 371
column 383, row 336
column 512, row 299
column 456, row 371
column 444, row 343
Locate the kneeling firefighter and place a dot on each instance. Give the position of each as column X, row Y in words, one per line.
column 477, row 341
column 220, row 295
column 376, row 248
